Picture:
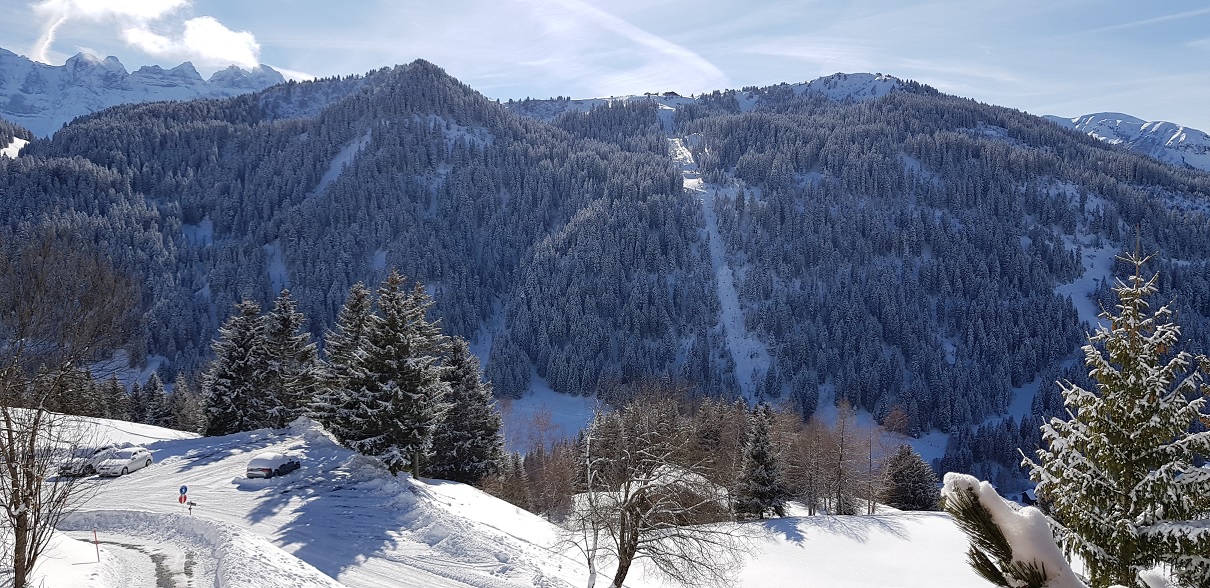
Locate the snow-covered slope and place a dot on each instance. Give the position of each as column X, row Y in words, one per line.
column 43, row 97
column 342, row 520
column 856, row 87
column 1165, row 141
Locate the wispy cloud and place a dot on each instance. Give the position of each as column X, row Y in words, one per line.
column 589, row 37
column 155, row 27
column 1147, row 21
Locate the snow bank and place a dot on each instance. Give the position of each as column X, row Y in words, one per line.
column 1026, row 530
column 896, row 549
column 67, row 563
column 241, row 558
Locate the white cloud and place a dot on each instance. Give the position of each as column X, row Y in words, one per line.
column 148, row 25
column 100, row 9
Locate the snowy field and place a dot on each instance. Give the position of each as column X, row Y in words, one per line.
column 343, row 521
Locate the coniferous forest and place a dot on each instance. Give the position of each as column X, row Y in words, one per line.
column 902, row 254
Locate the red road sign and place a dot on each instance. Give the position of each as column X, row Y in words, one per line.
column 182, row 499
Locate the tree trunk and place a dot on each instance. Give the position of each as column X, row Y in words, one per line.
column 623, row 569
column 21, row 566
column 628, row 546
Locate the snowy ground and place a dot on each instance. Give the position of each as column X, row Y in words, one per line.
column 543, row 415
column 341, row 520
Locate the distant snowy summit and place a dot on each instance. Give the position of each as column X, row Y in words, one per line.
column 857, row 87
column 1165, row 141
column 43, row 97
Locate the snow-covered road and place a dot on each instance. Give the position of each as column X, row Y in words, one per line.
column 163, row 562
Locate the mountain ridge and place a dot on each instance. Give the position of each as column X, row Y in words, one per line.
column 1166, row 141
column 918, row 251
column 43, row 97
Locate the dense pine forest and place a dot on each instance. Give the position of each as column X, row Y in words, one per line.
column 904, row 254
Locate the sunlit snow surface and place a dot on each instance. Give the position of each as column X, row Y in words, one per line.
column 13, row 148
column 342, row 520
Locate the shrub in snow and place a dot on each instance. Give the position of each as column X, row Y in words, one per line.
column 1008, row 548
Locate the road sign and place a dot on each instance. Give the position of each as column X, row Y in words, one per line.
column 184, row 489
column 182, row 499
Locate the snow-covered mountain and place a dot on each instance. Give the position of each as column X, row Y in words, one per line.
column 43, row 97
column 856, row 87
column 342, row 520
column 838, row 87
column 1165, row 141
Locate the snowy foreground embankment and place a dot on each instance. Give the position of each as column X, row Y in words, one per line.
column 341, row 520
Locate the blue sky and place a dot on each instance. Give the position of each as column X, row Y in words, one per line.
column 1148, row 59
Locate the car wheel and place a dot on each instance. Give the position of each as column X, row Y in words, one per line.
column 124, row 472
column 89, row 470
column 148, row 462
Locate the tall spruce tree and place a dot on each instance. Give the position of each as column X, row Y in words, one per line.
column 908, row 482
column 336, row 404
column 232, row 389
column 186, row 405
column 396, row 392
column 155, row 401
column 291, row 374
column 761, row 486
column 1120, row 474
column 467, row 444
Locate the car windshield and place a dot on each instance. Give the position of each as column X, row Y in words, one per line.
column 125, row 454
column 83, row 452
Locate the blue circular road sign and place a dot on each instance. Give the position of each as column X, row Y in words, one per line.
column 184, row 489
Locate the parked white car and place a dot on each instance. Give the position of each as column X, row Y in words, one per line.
column 269, row 464
column 84, row 460
column 125, row 461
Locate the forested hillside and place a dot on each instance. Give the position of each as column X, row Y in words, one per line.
column 908, row 250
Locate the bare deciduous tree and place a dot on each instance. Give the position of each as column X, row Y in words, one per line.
column 63, row 309
column 644, row 499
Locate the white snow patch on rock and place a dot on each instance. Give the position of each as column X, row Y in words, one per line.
column 13, row 148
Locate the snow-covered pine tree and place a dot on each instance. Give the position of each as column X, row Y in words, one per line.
column 336, row 405
column 186, row 405
column 137, row 404
column 291, row 374
column 908, row 482
column 158, row 412
column 114, row 399
column 761, row 487
column 467, row 443
column 399, row 399
column 231, row 388
column 1120, row 474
